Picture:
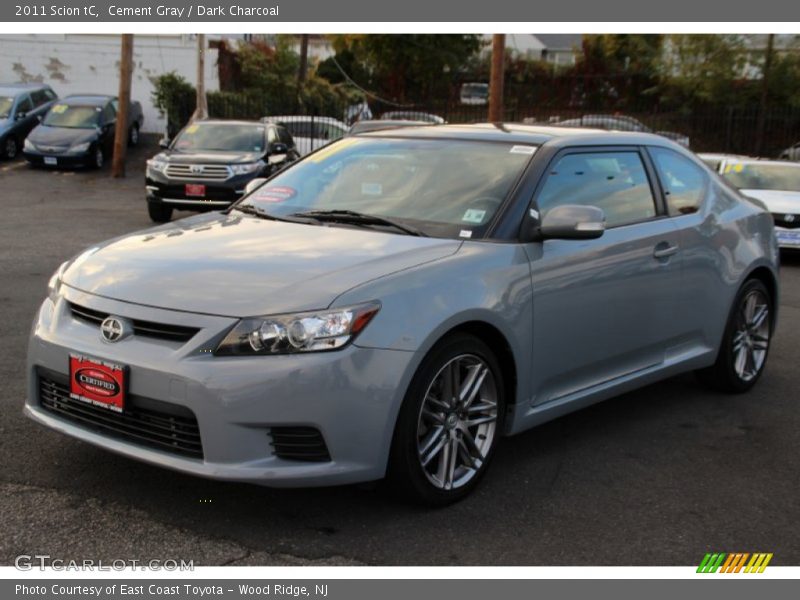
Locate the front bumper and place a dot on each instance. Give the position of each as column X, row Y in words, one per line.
column 219, row 194
column 62, row 160
column 350, row 396
column 788, row 238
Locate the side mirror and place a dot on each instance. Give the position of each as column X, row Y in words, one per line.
column 573, row 222
column 164, row 143
column 21, row 115
column 278, row 148
column 253, row 184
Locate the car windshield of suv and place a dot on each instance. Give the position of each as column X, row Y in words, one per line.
column 73, row 117
column 6, row 102
column 221, row 137
column 449, row 188
column 763, row 177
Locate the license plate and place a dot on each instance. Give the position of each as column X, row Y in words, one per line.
column 97, row 382
column 50, row 160
column 788, row 238
column 198, row 190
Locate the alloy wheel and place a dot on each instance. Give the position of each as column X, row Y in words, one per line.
column 457, row 422
column 11, row 148
column 751, row 338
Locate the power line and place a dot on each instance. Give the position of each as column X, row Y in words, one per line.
column 364, row 91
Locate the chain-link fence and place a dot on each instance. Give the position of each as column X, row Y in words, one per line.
column 730, row 130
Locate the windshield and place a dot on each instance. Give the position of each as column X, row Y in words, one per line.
column 449, row 188
column 763, row 177
column 73, row 117
column 221, row 137
column 6, row 102
column 475, row 90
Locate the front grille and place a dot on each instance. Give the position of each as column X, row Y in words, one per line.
column 160, row 425
column 206, row 172
column 163, row 331
column 299, row 443
column 786, row 221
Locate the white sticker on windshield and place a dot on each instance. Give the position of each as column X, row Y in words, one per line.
column 371, row 189
column 473, row 215
column 465, row 233
column 522, row 150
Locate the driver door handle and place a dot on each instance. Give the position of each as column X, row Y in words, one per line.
column 664, row 250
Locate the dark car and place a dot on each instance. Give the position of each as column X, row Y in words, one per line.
column 209, row 163
column 622, row 123
column 78, row 131
column 21, row 107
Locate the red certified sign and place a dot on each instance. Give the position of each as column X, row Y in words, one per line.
column 196, row 190
column 97, row 382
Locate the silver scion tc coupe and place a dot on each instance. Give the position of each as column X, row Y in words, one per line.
column 396, row 302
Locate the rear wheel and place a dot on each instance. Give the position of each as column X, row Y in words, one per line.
column 10, row 148
column 133, row 136
column 449, row 423
column 158, row 212
column 745, row 345
column 98, row 158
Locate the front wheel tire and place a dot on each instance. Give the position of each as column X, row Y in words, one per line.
column 98, row 158
column 745, row 344
column 10, row 148
column 449, row 423
column 158, row 212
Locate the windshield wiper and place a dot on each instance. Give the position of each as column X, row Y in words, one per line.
column 249, row 209
column 357, row 218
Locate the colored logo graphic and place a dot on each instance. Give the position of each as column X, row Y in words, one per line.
column 736, row 562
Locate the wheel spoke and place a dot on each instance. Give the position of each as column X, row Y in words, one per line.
column 472, row 385
column 740, row 361
column 472, row 446
column 436, row 417
column 759, row 317
column 481, row 407
column 432, row 445
column 480, row 420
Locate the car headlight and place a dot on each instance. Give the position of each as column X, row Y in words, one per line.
column 54, row 285
column 77, row 148
column 29, row 146
column 157, row 165
column 247, row 168
column 302, row 332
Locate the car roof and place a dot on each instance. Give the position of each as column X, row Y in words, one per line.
column 16, row 88
column 86, row 99
column 526, row 134
column 759, row 161
column 227, row 122
column 301, row 119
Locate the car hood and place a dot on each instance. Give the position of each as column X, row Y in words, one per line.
column 227, row 158
column 777, row 201
column 61, row 136
column 240, row 265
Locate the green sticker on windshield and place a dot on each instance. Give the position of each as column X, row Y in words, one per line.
column 474, row 215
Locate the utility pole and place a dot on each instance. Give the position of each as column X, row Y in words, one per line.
column 124, row 96
column 762, row 109
column 301, row 72
column 496, row 78
column 201, row 110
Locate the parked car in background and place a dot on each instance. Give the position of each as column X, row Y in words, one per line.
column 209, row 164
column 474, row 93
column 412, row 115
column 78, row 131
column 379, row 124
column 309, row 132
column 21, row 107
column 774, row 183
column 622, row 123
column 791, row 153
column 714, row 160
column 393, row 307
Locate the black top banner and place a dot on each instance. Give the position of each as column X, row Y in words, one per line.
column 468, row 11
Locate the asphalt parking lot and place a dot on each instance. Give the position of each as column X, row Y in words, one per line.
column 655, row 477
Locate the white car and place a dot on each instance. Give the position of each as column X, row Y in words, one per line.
column 777, row 185
column 310, row 132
